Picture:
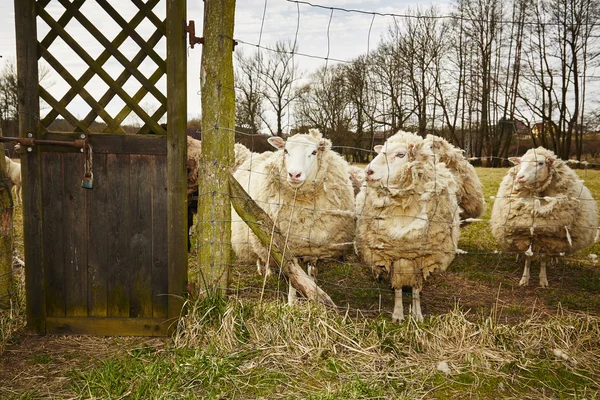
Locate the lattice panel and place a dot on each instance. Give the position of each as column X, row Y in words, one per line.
column 114, row 51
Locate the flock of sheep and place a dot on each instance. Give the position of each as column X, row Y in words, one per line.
column 402, row 214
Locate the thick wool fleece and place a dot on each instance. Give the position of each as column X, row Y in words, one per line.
column 558, row 216
column 470, row 190
column 317, row 218
column 410, row 227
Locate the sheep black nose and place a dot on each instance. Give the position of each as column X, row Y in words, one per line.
column 295, row 175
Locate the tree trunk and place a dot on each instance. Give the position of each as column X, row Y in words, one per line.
column 218, row 127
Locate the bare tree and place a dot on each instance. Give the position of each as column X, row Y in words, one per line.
column 250, row 92
column 280, row 75
column 557, row 62
column 324, row 104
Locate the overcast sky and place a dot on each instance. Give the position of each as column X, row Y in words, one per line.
column 319, row 32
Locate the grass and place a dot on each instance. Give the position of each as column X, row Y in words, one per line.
column 483, row 337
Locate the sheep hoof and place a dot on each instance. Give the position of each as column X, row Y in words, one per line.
column 263, row 269
column 543, row 283
column 524, row 281
column 397, row 319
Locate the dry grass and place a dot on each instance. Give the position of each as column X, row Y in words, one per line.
column 484, row 337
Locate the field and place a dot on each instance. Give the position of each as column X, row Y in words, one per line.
column 483, row 337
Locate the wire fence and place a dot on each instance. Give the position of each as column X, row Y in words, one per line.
column 352, row 281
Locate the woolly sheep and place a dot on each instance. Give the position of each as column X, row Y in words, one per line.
column 194, row 152
column 303, row 186
column 470, row 190
column 13, row 170
column 542, row 207
column 408, row 216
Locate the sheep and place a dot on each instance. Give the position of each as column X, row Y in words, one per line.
column 194, row 152
column 357, row 178
column 543, row 208
column 407, row 217
column 470, row 190
column 303, row 186
column 13, row 169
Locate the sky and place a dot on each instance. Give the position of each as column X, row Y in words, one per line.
column 319, row 32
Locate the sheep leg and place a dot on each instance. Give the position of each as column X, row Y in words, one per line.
column 525, row 278
column 311, row 269
column 263, row 270
column 416, row 304
column 291, row 294
column 398, row 314
column 543, row 278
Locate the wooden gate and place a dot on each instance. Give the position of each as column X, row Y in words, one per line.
column 110, row 260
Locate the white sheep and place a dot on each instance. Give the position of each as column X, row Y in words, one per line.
column 304, row 188
column 408, row 217
column 543, row 208
column 470, row 190
column 13, row 170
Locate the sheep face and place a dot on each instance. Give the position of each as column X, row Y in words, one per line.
column 300, row 156
column 534, row 168
column 386, row 166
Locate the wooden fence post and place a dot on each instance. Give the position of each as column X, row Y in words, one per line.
column 218, row 129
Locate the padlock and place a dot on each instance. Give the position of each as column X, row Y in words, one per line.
column 88, row 181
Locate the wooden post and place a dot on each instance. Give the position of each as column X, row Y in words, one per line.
column 29, row 115
column 218, row 128
column 6, row 232
column 176, row 154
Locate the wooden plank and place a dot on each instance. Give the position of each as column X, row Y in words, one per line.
column 100, row 61
column 176, row 154
column 131, row 67
column 53, row 233
column 27, row 75
column 98, row 239
column 55, row 105
column 108, row 326
column 109, row 143
column 117, row 215
column 76, row 236
column 133, row 34
column 160, row 237
column 140, row 209
column 85, row 95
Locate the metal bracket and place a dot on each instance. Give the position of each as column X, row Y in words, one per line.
column 192, row 38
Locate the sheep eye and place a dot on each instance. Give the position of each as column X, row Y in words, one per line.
column 400, row 155
column 540, row 163
column 314, row 153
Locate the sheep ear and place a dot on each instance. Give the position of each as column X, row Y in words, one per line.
column 378, row 148
column 413, row 150
column 550, row 161
column 276, row 142
column 315, row 133
column 324, row 144
column 515, row 160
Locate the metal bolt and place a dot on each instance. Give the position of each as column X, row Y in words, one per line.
column 30, row 135
column 81, row 150
column 82, row 136
column 30, row 149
